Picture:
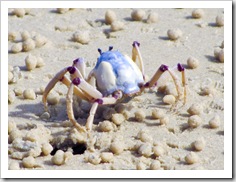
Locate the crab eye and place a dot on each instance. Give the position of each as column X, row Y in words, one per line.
column 78, row 60
column 110, row 48
column 136, row 43
column 100, row 51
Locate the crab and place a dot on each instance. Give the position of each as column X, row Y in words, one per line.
column 117, row 78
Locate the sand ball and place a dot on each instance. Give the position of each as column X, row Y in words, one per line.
column 169, row 99
column 14, row 165
column 25, row 35
column 30, row 62
column 194, row 121
column 221, row 56
column 40, row 62
column 174, row 34
column 215, row 122
column 45, row 116
column 139, row 115
column 62, row 10
column 140, row 166
column 11, row 96
column 108, row 112
column 145, row 150
column 199, row 144
column 68, row 155
column 207, row 90
column 195, row 109
column 110, row 16
column 82, row 37
column 11, row 126
column 19, row 12
column 28, row 45
column 117, row 26
column 145, row 137
column 158, row 150
column 46, row 148
column 29, row 94
column 10, row 76
column 191, row 158
column 105, row 126
column 220, row 20
column 192, row 62
column 94, row 159
column 138, row 15
column 29, row 162
column 197, row 13
column 53, row 98
column 120, row 107
column 152, row 18
column 117, row 118
column 40, row 40
column 216, row 52
column 117, row 147
column 164, row 120
column 17, row 47
column 126, row 114
column 107, row 157
column 155, row 165
column 157, row 113
column 58, row 158
column 12, row 35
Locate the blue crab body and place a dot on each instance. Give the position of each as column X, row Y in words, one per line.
column 114, row 72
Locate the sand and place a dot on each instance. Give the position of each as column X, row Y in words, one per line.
column 200, row 37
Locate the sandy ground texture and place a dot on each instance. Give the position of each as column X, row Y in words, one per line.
column 148, row 132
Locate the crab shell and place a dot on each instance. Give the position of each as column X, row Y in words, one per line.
column 117, row 72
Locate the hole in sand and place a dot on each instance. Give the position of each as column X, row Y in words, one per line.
column 76, row 149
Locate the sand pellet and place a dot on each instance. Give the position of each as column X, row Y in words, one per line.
column 126, row 114
column 82, row 37
column 11, row 96
column 12, row 35
column 199, row 144
column 157, row 113
column 68, row 155
column 207, row 90
column 155, row 165
column 29, row 94
column 152, row 18
column 145, row 137
column 192, row 62
column 214, row 122
column 19, row 12
column 107, row 157
column 62, row 10
column 145, row 150
column 164, row 120
column 94, row 159
column 28, row 45
column 117, row 147
column 45, row 115
column 191, row 158
column 169, row 99
column 10, row 76
column 220, row 20
column 14, row 165
column 58, row 158
column 194, row 121
column 221, row 56
column 158, row 150
column 174, row 34
column 120, row 107
column 139, row 115
column 140, row 166
column 46, row 148
column 110, row 16
column 18, row 91
column 40, row 40
column 117, row 26
column 17, row 47
column 29, row 162
column 216, row 52
column 195, row 109
column 197, row 13
column 11, row 126
column 138, row 15
column 40, row 62
column 30, row 62
column 25, row 35
column 53, row 98
column 14, row 134
column 108, row 112
column 105, row 126
column 117, row 118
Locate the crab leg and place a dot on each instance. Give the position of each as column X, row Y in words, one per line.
column 158, row 74
column 80, row 65
column 136, row 53
column 181, row 69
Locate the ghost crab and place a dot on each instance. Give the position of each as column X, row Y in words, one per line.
column 117, row 77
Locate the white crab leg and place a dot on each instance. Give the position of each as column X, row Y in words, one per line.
column 136, row 53
column 91, row 116
column 70, row 112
